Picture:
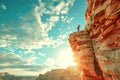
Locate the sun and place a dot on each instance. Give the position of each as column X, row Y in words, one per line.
column 65, row 58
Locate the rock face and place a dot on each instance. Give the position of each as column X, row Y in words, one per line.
column 97, row 47
column 84, row 54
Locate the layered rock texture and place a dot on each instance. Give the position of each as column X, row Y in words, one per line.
column 97, row 47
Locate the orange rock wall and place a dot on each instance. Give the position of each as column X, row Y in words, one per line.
column 103, row 18
column 84, row 54
column 97, row 48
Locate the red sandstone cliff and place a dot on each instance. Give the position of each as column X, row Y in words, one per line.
column 97, row 48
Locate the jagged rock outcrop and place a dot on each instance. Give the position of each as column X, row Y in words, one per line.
column 84, row 54
column 71, row 73
column 97, row 48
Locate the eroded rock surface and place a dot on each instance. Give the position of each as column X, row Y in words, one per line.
column 97, row 48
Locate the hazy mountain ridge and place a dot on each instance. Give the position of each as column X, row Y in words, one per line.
column 70, row 73
column 13, row 77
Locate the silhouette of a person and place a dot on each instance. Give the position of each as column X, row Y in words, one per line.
column 78, row 28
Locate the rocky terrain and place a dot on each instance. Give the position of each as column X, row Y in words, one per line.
column 97, row 47
column 71, row 73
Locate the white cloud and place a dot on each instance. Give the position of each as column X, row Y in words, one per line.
column 54, row 19
column 59, row 7
column 69, row 20
column 51, row 63
column 11, row 58
column 59, row 40
column 41, row 54
column 8, row 35
column 63, row 7
column 3, row 43
column 29, row 51
column 11, row 62
column 15, row 59
column 35, row 34
column 3, row 7
column 31, row 60
column 32, row 35
column 65, row 19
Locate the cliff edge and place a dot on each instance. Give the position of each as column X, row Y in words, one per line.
column 97, row 47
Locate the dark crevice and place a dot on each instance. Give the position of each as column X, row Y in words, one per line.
column 98, row 70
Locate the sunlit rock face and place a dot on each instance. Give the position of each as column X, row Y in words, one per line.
column 97, row 48
column 82, row 47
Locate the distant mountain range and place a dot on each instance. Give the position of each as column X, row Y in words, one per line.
column 12, row 77
column 70, row 73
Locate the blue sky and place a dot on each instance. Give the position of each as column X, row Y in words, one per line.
column 34, row 34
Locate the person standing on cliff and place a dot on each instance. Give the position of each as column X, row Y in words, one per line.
column 78, row 28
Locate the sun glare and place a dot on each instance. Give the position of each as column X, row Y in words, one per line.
column 65, row 58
